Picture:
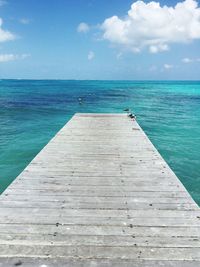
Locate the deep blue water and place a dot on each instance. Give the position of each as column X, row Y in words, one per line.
column 31, row 112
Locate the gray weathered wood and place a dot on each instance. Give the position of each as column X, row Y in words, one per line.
column 99, row 194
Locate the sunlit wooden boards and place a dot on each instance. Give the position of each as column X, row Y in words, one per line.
column 99, row 194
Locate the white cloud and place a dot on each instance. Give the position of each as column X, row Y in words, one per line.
column 7, row 57
column 24, row 21
column 4, row 34
column 168, row 66
column 91, row 55
column 83, row 27
column 12, row 57
column 154, row 27
column 187, row 60
column 190, row 60
column 157, row 48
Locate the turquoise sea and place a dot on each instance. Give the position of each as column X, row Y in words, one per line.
column 31, row 112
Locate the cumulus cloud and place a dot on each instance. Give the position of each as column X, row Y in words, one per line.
column 91, row 55
column 4, row 34
column 190, row 60
column 187, row 60
column 12, row 57
column 168, row 66
column 83, row 27
column 153, row 26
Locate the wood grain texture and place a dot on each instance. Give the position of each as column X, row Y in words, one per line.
column 99, row 194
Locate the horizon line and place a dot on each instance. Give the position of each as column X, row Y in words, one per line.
column 131, row 80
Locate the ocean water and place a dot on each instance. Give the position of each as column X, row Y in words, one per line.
column 31, row 112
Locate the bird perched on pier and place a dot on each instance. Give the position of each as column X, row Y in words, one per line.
column 129, row 113
column 132, row 116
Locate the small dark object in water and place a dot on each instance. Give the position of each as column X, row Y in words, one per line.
column 126, row 109
column 18, row 263
column 80, row 100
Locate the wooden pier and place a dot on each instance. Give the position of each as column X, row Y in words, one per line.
column 99, row 194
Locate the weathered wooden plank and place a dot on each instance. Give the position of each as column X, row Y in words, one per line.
column 110, row 221
column 125, row 221
column 126, row 229
column 59, row 239
column 82, row 181
column 60, row 199
column 52, row 262
column 100, row 212
column 99, row 205
column 124, row 189
column 104, row 252
column 43, row 193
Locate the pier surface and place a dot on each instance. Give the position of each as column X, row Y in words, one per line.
column 99, row 194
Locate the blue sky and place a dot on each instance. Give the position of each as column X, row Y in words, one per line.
column 81, row 39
